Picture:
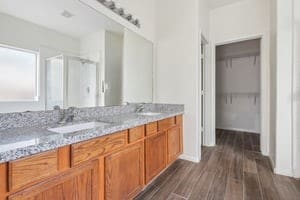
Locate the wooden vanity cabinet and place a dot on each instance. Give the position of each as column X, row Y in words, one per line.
column 79, row 183
column 124, row 173
column 155, row 151
column 175, row 141
column 112, row 167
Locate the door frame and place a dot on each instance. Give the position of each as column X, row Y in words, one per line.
column 210, row 136
column 202, row 101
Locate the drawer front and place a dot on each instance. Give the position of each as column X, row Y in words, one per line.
column 179, row 120
column 88, row 150
column 136, row 134
column 34, row 168
column 151, row 128
column 166, row 124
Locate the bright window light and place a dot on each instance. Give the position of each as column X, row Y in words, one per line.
column 18, row 74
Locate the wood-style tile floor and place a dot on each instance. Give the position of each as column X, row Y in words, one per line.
column 234, row 169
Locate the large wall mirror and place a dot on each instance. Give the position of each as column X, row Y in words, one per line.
column 62, row 52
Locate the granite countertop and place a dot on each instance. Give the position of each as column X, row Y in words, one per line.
column 17, row 143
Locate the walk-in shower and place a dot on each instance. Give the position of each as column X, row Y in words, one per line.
column 71, row 81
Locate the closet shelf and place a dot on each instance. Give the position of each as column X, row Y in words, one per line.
column 256, row 54
column 239, row 94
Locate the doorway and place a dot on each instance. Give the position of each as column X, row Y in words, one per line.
column 238, row 89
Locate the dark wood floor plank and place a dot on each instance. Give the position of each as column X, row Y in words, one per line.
column 202, row 187
column 248, row 142
column 255, row 142
column 232, row 170
column 175, row 197
column 186, row 186
column 269, row 190
column 218, row 187
column 167, row 188
column 234, row 189
column 213, row 161
column 156, row 184
column 249, row 163
column 286, row 187
column 251, row 187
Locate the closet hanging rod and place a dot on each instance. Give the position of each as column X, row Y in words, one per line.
column 238, row 93
column 238, row 56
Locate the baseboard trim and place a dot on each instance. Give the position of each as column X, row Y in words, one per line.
column 283, row 172
column 209, row 145
column 190, row 158
column 272, row 162
column 237, row 129
column 297, row 174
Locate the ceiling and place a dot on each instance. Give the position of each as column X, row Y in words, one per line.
column 219, row 3
column 47, row 13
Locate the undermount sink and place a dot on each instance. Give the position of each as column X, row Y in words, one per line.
column 149, row 114
column 78, row 127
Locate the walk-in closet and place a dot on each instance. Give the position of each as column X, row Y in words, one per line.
column 238, row 67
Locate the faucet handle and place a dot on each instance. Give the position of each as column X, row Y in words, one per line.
column 71, row 109
column 56, row 107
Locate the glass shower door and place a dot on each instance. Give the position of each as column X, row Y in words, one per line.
column 54, row 82
column 82, row 83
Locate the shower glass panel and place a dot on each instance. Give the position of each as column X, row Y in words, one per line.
column 71, row 81
column 82, row 82
column 55, row 78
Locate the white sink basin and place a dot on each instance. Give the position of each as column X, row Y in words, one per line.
column 149, row 114
column 78, row 127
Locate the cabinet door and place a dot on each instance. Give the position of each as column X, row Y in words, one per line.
column 124, row 173
column 174, row 143
column 77, row 184
column 156, row 151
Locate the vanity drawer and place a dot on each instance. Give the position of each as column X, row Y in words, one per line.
column 88, row 150
column 166, row 123
column 151, row 128
column 136, row 134
column 179, row 120
column 32, row 169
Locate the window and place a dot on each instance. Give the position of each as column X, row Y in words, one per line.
column 18, row 74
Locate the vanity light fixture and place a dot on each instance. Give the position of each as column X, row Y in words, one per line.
column 120, row 11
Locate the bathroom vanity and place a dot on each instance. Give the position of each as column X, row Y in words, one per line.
column 67, row 131
column 113, row 161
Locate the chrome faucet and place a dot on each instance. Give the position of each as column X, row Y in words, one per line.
column 66, row 115
column 140, row 108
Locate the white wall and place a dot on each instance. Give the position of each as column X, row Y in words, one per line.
column 204, row 18
column 177, row 65
column 246, row 19
column 284, row 140
column 92, row 46
column 144, row 10
column 137, row 69
column 273, row 68
column 22, row 34
column 296, row 85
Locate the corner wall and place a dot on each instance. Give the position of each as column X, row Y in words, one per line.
column 177, row 65
column 296, row 85
column 273, row 74
column 284, row 136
